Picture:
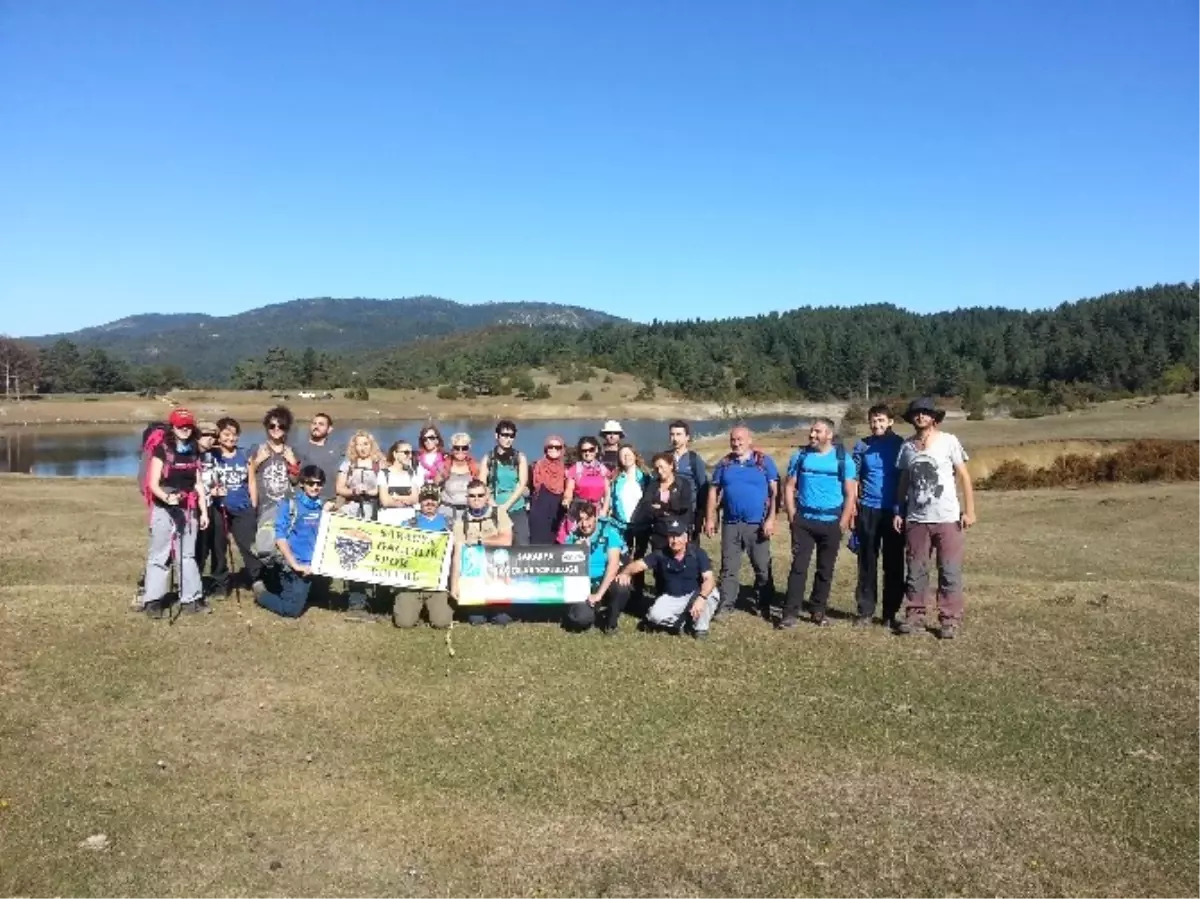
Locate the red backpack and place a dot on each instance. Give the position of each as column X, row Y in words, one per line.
column 152, row 438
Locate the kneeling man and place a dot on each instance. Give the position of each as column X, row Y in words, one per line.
column 603, row 545
column 683, row 575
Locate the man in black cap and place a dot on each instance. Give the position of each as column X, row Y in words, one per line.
column 928, row 513
column 687, row 590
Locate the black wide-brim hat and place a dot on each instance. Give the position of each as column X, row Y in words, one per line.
column 923, row 404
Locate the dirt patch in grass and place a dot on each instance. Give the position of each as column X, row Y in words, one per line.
column 1051, row 750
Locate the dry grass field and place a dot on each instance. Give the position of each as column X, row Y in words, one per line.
column 1051, row 750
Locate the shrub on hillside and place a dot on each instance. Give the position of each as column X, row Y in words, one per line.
column 541, row 392
column 586, row 397
column 357, row 393
column 1137, row 463
column 447, row 392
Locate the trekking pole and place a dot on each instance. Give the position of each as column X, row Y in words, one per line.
column 177, row 552
column 237, row 584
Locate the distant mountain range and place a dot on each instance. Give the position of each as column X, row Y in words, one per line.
column 207, row 346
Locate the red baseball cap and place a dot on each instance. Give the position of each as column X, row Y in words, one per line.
column 181, row 418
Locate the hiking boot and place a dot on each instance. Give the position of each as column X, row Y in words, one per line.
column 862, row 621
column 196, row 607
column 911, row 627
column 819, row 620
column 948, row 631
column 787, row 623
column 700, row 635
column 153, row 609
column 476, row 620
column 501, row 619
column 610, row 631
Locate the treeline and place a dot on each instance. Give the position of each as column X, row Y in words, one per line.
column 1135, row 341
column 64, row 367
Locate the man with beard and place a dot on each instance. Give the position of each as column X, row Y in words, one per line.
column 928, row 513
column 321, row 452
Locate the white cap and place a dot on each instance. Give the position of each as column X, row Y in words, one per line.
column 612, row 426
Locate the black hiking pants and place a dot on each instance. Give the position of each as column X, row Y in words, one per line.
column 877, row 537
column 825, row 537
column 212, row 549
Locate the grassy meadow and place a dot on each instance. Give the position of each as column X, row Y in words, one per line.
column 1051, row 750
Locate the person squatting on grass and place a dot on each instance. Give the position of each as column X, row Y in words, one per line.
column 602, row 542
column 178, row 510
column 406, row 611
column 482, row 523
column 297, row 520
column 875, row 458
column 928, row 512
column 687, row 593
column 744, row 487
column 819, row 497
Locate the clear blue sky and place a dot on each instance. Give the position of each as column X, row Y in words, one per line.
column 661, row 157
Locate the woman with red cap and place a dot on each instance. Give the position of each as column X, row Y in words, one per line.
column 179, row 509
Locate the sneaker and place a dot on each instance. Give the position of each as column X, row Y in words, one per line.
column 609, row 631
column 819, row 620
column 359, row 613
column 862, row 621
column 476, row 620
column 948, row 631
column 787, row 623
column 700, row 635
column 259, row 587
column 911, row 627
column 196, row 607
column 501, row 619
column 153, row 609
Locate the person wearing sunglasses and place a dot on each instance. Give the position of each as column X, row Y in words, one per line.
column 430, row 454
column 402, row 482
column 506, row 472
column 459, row 469
column 273, row 464
column 587, row 481
column 549, row 480
column 297, row 522
column 483, row 523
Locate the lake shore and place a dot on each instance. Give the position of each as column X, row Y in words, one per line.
column 611, row 401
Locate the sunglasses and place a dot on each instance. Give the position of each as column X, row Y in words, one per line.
column 460, row 449
column 476, row 496
column 403, row 452
column 275, row 426
column 588, row 449
column 430, row 437
column 311, row 483
column 553, row 446
column 506, row 434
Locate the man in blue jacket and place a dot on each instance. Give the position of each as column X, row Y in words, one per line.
column 297, row 521
column 875, row 458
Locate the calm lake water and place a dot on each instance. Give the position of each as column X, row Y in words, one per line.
column 114, row 453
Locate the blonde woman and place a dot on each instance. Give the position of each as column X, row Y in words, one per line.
column 359, row 477
column 459, row 469
column 401, row 484
column 358, row 481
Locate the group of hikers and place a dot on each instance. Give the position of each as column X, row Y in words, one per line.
column 897, row 498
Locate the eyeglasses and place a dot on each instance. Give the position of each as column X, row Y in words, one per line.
column 476, row 496
column 554, row 446
column 312, row 483
column 460, row 449
column 508, row 434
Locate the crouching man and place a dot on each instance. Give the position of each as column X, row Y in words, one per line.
column 683, row 575
column 297, row 521
column 603, row 545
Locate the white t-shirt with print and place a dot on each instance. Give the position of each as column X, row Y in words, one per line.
column 932, row 491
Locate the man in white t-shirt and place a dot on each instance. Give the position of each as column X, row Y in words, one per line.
column 928, row 513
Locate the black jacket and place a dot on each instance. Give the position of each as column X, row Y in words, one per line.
column 652, row 515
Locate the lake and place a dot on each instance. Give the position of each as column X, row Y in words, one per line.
column 114, row 452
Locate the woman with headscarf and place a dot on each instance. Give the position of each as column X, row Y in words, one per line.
column 549, row 481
